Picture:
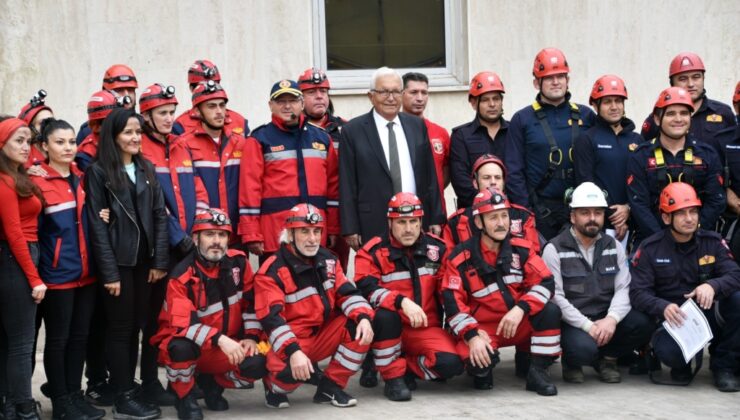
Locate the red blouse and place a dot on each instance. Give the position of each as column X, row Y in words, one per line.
column 19, row 225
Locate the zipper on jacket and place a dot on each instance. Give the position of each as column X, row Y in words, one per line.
column 138, row 231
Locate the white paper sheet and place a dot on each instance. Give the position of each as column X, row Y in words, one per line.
column 694, row 333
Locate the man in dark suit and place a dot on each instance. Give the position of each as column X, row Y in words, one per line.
column 384, row 152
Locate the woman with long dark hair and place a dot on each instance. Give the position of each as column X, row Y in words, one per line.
column 21, row 287
column 65, row 268
column 130, row 251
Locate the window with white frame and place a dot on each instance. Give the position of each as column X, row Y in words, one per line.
column 352, row 38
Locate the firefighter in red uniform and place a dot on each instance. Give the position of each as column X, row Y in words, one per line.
column 310, row 311
column 496, row 292
column 286, row 162
column 489, row 172
column 99, row 106
column 203, row 71
column 216, row 153
column 319, row 109
column 33, row 113
column 208, row 326
column 400, row 275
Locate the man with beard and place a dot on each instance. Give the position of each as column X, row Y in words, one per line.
column 675, row 155
column 683, row 262
column 208, row 328
column 540, row 138
column 216, row 153
column 592, row 290
column 496, row 293
column 486, row 134
column 687, row 71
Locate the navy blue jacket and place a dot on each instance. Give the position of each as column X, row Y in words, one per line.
column 527, row 152
column 729, row 140
column 600, row 156
column 663, row 271
column 711, row 117
column 644, row 185
column 468, row 142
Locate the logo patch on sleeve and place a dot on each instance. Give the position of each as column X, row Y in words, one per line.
column 454, row 282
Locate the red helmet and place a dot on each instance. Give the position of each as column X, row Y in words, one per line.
column 608, row 85
column 676, row 196
column 205, row 91
column 485, row 81
column 203, row 70
column 674, row 96
column 685, row 61
column 103, row 103
column 736, row 96
column 405, row 204
column 489, row 200
column 488, row 158
column 157, row 95
column 313, row 78
column 212, row 219
column 548, row 62
column 304, row 215
column 119, row 76
column 33, row 107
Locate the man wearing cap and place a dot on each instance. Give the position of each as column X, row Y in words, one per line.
column 310, row 311
column 203, row 71
column 538, row 148
column 676, row 155
column 683, row 262
column 286, row 161
column 486, row 134
column 399, row 274
column 592, row 290
column 118, row 78
column 200, row 336
column 217, row 154
column 415, row 98
column 687, row 71
column 385, row 152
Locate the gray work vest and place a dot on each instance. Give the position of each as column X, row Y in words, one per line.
column 589, row 288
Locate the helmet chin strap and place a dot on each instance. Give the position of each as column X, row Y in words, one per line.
column 296, row 249
column 211, row 126
column 485, row 232
column 154, row 125
column 202, row 258
column 662, row 113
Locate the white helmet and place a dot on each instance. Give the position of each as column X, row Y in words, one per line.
column 588, row 195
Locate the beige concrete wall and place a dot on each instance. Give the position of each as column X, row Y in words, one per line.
column 64, row 46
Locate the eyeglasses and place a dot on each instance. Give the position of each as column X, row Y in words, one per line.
column 386, row 93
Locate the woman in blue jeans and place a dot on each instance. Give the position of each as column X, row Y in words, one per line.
column 21, row 288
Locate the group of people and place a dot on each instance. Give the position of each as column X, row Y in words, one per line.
column 572, row 236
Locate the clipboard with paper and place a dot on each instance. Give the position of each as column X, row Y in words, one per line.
column 694, row 333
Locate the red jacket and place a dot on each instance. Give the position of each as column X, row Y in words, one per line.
column 190, row 120
column 295, row 298
column 19, row 226
column 87, row 151
column 461, row 226
column 439, row 140
column 35, row 157
column 284, row 167
column 471, row 287
column 64, row 261
column 194, row 306
column 387, row 272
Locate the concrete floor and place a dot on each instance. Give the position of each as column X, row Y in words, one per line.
column 635, row 397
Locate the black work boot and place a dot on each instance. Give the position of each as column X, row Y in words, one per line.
column 396, row 389
column 187, row 408
column 27, row 410
column 521, row 364
column 538, row 379
column 483, row 381
column 64, row 409
column 369, row 375
column 212, row 393
column 410, row 379
column 726, row 381
column 92, row 413
column 128, row 405
column 154, row 393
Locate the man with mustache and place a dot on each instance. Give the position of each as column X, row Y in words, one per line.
column 675, row 155
column 496, row 293
column 399, row 274
column 310, row 311
column 592, row 290
column 685, row 262
column 208, row 328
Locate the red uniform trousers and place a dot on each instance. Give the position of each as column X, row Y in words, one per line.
column 333, row 339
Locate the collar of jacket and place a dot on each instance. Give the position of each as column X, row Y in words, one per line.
column 280, row 124
column 563, row 104
column 627, row 124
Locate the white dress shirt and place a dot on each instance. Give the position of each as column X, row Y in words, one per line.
column 404, row 157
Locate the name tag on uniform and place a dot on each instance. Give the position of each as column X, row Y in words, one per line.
column 610, row 268
column 603, row 146
column 662, row 260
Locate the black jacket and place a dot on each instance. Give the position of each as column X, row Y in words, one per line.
column 116, row 243
column 365, row 184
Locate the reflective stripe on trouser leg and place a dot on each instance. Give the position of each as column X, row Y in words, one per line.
column 387, row 358
column 181, row 376
column 545, row 343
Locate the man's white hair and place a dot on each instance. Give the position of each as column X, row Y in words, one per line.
column 382, row 72
column 283, row 238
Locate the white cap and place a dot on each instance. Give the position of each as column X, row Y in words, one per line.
column 588, row 195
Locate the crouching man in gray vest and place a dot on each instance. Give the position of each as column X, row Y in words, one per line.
column 592, row 290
